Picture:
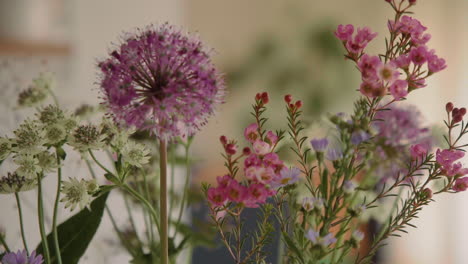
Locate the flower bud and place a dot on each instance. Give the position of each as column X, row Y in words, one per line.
column 223, row 140
column 258, row 96
column 231, row 149
column 246, row 151
column 457, row 118
column 265, row 98
column 455, row 111
column 462, row 111
column 298, row 104
column 288, row 98
column 426, row 193
column 449, row 107
column 412, row 2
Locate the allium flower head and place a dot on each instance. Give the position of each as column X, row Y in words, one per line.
column 21, row 257
column 161, row 80
column 14, row 183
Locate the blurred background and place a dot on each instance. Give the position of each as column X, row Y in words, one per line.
column 263, row 45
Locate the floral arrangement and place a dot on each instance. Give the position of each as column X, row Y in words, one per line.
column 159, row 87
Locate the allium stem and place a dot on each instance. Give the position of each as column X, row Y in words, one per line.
column 20, row 213
column 163, row 201
column 186, row 185
column 40, row 209
column 54, row 221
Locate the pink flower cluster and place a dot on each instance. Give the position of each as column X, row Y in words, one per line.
column 406, row 53
column 263, row 170
column 446, row 159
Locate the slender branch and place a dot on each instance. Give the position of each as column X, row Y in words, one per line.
column 20, row 213
column 40, row 209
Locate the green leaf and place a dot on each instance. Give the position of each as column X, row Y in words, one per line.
column 75, row 234
column 292, row 246
column 112, row 178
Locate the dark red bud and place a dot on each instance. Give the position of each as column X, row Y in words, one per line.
column 455, row 111
column 462, row 111
column 449, row 107
column 427, row 193
column 291, row 106
column 288, row 98
column 258, row 97
column 223, row 140
column 246, row 151
column 412, row 2
column 457, row 118
column 265, row 98
column 231, row 149
column 298, row 104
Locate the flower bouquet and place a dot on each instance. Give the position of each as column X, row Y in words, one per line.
column 319, row 194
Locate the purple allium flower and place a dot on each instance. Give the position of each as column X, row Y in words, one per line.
column 21, row 257
column 359, row 136
column 334, row 154
column 161, row 80
column 319, row 144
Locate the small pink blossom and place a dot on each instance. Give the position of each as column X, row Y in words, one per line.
column 372, row 88
column 272, row 159
column 252, row 160
column 216, row 196
column 403, row 61
column 265, row 175
column 360, row 41
column 251, row 132
column 447, row 157
column 368, row 66
column 436, row 64
column 261, row 148
column 344, row 33
column 256, row 194
column 418, row 151
column 399, row 89
column 236, row 192
column 461, row 184
column 419, row 55
column 223, row 181
column 271, row 138
column 387, row 72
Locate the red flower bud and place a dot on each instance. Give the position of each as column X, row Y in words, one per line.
column 291, row 106
column 298, row 104
column 265, row 98
column 427, row 193
column 449, row 107
column 223, row 140
column 462, row 111
column 246, row 151
column 455, row 111
column 412, row 2
column 231, row 149
column 288, row 98
column 457, row 118
column 258, row 96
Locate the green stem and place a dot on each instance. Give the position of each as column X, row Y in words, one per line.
column 40, row 209
column 132, row 222
column 5, row 245
column 163, row 202
column 20, row 213
column 98, row 163
column 54, row 220
column 154, row 214
column 186, row 185
column 172, row 151
column 149, row 225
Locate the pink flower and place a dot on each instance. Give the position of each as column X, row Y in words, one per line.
column 403, row 61
column 265, row 175
column 256, row 194
column 161, row 80
column 236, row 192
column 344, row 33
column 447, row 157
column 399, row 89
column 251, row 172
column 368, row 66
column 251, row 132
column 418, row 151
column 372, row 88
column 436, row 64
column 419, row 55
column 456, row 170
column 461, row 184
column 272, row 159
column 252, row 160
column 216, row 196
column 261, row 148
column 223, row 181
column 387, row 72
column 271, row 138
column 364, row 35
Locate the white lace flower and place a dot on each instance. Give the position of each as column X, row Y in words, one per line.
column 13, row 183
column 55, row 133
column 75, row 193
column 28, row 166
column 29, row 138
column 47, row 161
column 5, row 148
column 135, row 154
column 86, row 137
